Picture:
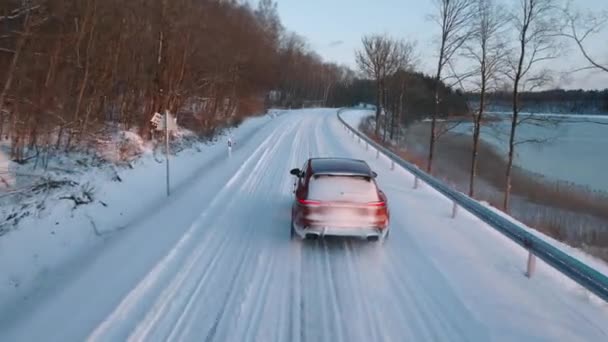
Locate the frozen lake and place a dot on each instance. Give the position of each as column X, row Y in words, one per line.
column 571, row 148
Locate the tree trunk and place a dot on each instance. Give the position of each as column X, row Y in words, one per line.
column 159, row 97
column 387, row 113
column 511, row 148
column 477, row 129
column 68, row 143
column 476, row 133
column 514, row 120
column 326, row 95
column 440, row 63
column 392, row 133
column 429, row 165
column 378, row 106
column 87, row 67
column 13, row 66
column 400, row 111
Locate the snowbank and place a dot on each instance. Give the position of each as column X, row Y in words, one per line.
column 55, row 226
column 590, row 260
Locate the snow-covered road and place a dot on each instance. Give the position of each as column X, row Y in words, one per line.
column 216, row 264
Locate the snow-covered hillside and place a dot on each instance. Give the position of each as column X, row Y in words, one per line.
column 215, row 263
column 79, row 201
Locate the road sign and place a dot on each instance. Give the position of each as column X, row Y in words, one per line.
column 156, row 119
column 160, row 121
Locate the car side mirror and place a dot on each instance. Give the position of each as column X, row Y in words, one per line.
column 374, row 174
column 295, row 172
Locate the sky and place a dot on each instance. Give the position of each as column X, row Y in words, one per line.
column 333, row 29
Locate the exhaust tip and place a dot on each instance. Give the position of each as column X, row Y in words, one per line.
column 311, row 236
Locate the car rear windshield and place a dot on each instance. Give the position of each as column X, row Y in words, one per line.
column 342, row 188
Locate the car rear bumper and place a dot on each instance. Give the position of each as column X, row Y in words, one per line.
column 322, row 231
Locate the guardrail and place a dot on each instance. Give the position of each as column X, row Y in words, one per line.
column 584, row 275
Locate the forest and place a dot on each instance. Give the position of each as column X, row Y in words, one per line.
column 72, row 70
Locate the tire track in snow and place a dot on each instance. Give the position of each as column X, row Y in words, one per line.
column 219, row 333
column 373, row 325
column 436, row 319
column 332, row 290
column 410, row 307
column 238, row 270
column 262, row 166
column 429, row 319
column 313, row 290
column 426, row 325
column 442, row 312
column 312, row 309
column 211, row 266
column 256, row 293
column 373, row 316
column 443, row 322
column 361, row 307
column 286, row 254
column 294, row 332
column 234, row 281
column 255, row 299
column 129, row 305
column 265, row 305
column 294, row 300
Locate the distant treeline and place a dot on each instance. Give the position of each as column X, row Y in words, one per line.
column 410, row 93
column 551, row 101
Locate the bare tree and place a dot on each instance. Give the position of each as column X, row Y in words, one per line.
column 533, row 22
column 397, row 82
column 453, row 18
column 486, row 49
column 381, row 56
column 579, row 27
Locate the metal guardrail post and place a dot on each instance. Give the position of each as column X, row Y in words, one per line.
column 415, row 182
column 531, row 265
column 454, row 209
column 392, row 164
column 377, row 154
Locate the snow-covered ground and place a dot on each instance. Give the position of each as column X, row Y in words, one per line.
column 54, row 232
column 215, row 263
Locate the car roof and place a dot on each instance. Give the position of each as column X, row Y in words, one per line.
column 340, row 166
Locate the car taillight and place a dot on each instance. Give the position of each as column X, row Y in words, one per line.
column 377, row 204
column 308, row 202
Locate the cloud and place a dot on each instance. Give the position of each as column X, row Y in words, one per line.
column 336, row 43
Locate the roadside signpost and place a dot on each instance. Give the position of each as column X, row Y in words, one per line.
column 168, row 124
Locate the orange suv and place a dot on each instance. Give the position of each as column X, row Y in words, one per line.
column 338, row 197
